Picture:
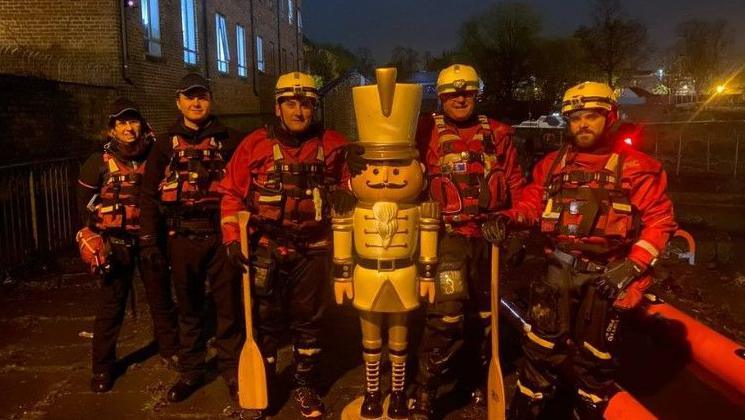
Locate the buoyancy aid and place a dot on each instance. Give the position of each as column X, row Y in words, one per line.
column 119, row 207
column 472, row 180
column 192, row 176
column 289, row 192
column 589, row 210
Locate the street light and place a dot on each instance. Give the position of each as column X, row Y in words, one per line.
column 721, row 88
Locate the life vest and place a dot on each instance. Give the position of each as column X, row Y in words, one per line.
column 119, row 206
column 471, row 182
column 291, row 195
column 192, row 176
column 589, row 211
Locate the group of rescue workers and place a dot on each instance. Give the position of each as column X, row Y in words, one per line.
column 168, row 209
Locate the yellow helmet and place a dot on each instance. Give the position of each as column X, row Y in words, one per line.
column 589, row 95
column 295, row 84
column 458, row 77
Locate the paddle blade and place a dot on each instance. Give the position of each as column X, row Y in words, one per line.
column 252, row 392
column 496, row 403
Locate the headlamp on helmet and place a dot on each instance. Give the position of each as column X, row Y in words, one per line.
column 589, row 95
column 295, row 84
column 458, row 78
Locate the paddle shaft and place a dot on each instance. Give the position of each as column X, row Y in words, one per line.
column 496, row 403
column 243, row 218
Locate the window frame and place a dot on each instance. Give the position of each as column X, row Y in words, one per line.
column 150, row 19
column 260, row 56
column 222, row 41
column 240, row 50
column 190, row 33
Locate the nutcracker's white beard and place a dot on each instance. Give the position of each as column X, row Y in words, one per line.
column 385, row 215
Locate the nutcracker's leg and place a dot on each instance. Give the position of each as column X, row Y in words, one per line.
column 397, row 350
column 372, row 406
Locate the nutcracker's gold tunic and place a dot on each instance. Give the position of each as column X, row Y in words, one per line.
column 386, row 231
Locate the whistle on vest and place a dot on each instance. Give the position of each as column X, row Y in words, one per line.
column 317, row 204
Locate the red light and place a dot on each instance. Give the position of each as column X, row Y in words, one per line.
column 629, row 141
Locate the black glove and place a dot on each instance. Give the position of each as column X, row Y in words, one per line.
column 235, row 256
column 342, row 201
column 495, row 228
column 355, row 162
column 152, row 258
column 617, row 277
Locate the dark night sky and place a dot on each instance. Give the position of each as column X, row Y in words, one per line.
column 432, row 25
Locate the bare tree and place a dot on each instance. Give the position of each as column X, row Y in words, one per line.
column 365, row 61
column 615, row 44
column 500, row 42
column 406, row 60
column 701, row 48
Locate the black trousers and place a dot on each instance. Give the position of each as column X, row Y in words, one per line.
column 573, row 336
column 290, row 293
column 463, row 288
column 195, row 261
column 115, row 289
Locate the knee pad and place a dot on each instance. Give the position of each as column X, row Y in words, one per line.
column 544, row 311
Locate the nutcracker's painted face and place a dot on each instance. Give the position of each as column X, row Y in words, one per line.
column 398, row 181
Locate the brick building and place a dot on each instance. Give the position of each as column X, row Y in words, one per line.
column 62, row 62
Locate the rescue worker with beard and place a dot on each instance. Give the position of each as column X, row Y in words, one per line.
column 284, row 175
column 108, row 199
column 180, row 189
column 605, row 211
column 473, row 173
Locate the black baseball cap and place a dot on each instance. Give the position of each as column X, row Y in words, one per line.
column 123, row 106
column 193, row 81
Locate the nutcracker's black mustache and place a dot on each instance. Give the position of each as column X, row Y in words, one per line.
column 391, row 185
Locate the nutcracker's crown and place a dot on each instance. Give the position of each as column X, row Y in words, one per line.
column 387, row 114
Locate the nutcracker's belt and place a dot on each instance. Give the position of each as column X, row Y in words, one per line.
column 385, row 264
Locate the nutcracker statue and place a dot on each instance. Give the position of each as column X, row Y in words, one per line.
column 387, row 228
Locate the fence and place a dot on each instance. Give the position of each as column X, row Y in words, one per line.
column 37, row 210
column 685, row 148
column 698, row 147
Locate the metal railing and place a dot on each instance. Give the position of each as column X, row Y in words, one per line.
column 37, row 210
column 696, row 147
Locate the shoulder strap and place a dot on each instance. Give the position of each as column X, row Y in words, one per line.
column 559, row 162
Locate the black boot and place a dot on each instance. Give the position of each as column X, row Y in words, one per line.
column 101, row 382
column 398, row 406
column 422, row 408
column 589, row 407
column 523, row 407
column 372, row 406
column 309, row 402
column 184, row 388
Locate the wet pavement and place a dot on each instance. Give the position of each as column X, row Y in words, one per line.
column 45, row 351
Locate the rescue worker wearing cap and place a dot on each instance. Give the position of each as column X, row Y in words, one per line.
column 605, row 211
column 108, row 199
column 473, row 173
column 284, row 175
column 180, row 189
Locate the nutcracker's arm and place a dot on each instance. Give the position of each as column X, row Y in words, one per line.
column 429, row 226
column 342, row 261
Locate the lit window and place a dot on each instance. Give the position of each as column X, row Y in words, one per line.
column 151, row 24
column 189, row 30
column 240, row 42
column 223, row 47
column 290, row 10
column 299, row 20
column 260, row 65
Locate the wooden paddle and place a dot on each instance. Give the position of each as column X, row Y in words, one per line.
column 252, row 392
column 496, row 399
